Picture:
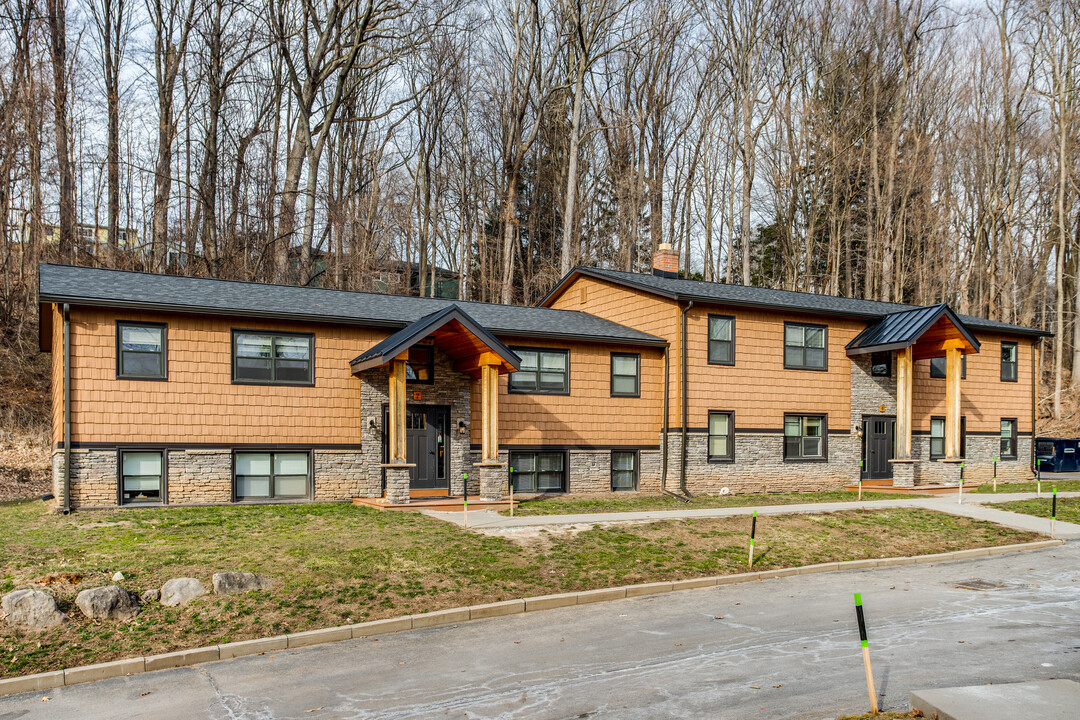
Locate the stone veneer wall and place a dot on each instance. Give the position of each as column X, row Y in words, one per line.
column 759, row 465
column 590, row 471
column 978, row 462
column 868, row 393
column 199, row 477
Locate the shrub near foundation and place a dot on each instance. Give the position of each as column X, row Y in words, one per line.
column 337, row 564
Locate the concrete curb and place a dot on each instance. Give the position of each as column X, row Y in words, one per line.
column 454, row 616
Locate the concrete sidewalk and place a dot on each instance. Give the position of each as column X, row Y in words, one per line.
column 974, row 505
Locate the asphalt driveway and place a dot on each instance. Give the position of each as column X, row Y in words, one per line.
column 784, row 648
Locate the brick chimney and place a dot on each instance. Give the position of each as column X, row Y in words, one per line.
column 665, row 262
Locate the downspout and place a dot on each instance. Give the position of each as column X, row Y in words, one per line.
column 67, row 410
column 664, row 422
column 1034, row 404
column 685, row 399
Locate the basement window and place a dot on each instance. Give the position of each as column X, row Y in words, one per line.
column 538, row 472
column 804, row 437
column 141, row 474
column 1008, row 438
column 623, row 470
column 272, row 475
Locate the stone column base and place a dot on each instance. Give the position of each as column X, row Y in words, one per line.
column 397, row 483
column 493, row 479
column 903, row 473
column 952, row 471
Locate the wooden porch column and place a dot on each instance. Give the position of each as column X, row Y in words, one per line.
column 489, row 409
column 952, row 399
column 397, row 410
column 903, row 402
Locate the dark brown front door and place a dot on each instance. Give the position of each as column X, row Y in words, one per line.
column 878, row 438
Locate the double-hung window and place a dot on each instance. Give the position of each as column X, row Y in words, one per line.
column 272, row 475
column 141, row 352
column 938, row 367
column 1008, row 438
column 721, row 340
column 1008, row 362
column 625, row 375
column 804, row 346
column 804, row 437
column 538, row 472
column 272, row 358
column 542, row 371
column 141, row 477
column 721, row 436
column 623, row 470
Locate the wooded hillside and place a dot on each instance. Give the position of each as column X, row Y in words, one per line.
column 906, row 150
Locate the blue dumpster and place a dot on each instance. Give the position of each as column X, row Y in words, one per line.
column 1058, row 454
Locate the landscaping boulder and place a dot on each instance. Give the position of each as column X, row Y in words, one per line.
column 32, row 610
column 151, row 596
column 111, row 602
column 231, row 583
column 179, row 591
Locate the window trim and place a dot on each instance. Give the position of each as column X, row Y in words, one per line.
column 824, row 438
column 720, row 459
column 963, row 437
column 544, row 451
column 825, row 347
column 637, row 375
column 272, row 451
column 273, row 366
column 120, row 325
column 164, row 499
column 1015, row 363
column 963, row 368
column 1015, row 439
column 637, row 470
column 537, row 391
column 708, row 340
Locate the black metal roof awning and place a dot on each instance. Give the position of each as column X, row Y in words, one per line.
column 900, row 330
column 467, row 339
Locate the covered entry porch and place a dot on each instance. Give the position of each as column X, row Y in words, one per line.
column 421, row 421
column 888, row 463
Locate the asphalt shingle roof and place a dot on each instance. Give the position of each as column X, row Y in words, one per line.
column 117, row 288
column 747, row 296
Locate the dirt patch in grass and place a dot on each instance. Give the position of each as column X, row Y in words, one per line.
column 607, row 502
column 335, row 564
column 1068, row 509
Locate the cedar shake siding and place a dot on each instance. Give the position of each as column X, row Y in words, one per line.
column 201, row 422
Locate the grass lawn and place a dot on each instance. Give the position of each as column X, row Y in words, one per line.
column 336, row 563
column 571, row 504
column 1047, row 483
column 1068, row 509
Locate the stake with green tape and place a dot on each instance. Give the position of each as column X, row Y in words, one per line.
column 1053, row 514
column 960, row 489
column 753, row 529
column 995, row 473
column 866, row 654
column 511, row 477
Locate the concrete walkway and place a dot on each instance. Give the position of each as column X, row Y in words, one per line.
column 974, row 505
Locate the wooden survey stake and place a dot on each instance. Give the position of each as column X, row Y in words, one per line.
column 866, row 654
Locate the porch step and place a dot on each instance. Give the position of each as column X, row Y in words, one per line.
column 441, row 504
column 930, row 489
